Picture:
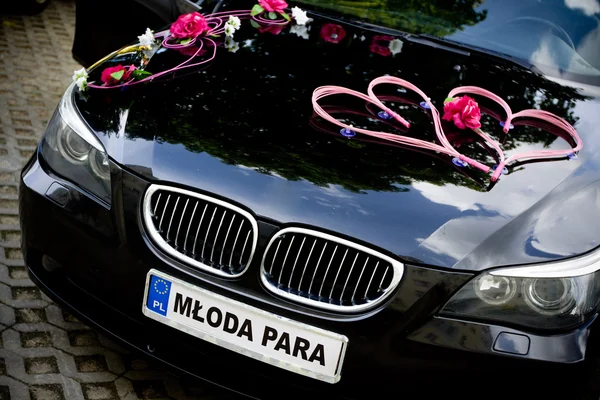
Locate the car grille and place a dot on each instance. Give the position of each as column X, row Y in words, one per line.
column 201, row 231
column 327, row 272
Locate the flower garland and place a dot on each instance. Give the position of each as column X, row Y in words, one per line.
column 198, row 36
column 193, row 35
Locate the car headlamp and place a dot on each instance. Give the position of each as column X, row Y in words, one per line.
column 72, row 151
column 558, row 295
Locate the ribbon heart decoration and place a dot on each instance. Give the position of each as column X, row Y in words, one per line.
column 529, row 113
column 445, row 147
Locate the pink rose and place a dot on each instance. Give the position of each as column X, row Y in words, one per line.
column 464, row 111
column 272, row 28
column 189, row 26
column 332, row 33
column 109, row 80
column 380, row 45
column 273, row 5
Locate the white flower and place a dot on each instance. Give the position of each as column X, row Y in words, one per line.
column 80, row 73
column 300, row 16
column 229, row 30
column 81, row 83
column 80, row 78
column 362, row 38
column 300, row 30
column 395, row 46
column 147, row 39
column 231, row 45
column 234, row 21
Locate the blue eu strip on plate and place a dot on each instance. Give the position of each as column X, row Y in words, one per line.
column 158, row 295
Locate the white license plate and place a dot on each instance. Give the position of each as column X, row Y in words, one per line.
column 255, row 333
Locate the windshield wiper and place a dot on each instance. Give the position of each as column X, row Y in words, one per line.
column 466, row 49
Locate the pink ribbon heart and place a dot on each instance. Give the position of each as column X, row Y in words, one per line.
column 445, row 147
column 529, row 113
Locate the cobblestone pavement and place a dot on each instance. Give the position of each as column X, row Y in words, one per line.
column 46, row 354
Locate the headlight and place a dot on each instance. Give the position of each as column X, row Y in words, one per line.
column 74, row 152
column 557, row 295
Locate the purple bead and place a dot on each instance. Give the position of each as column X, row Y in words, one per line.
column 425, row 105
column 573, row 156
column 504, row 170
column 347, row 132
column 459, row 163
column 384, row 115
column 502, row 123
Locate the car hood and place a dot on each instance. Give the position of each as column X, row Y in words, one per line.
column 242, row 127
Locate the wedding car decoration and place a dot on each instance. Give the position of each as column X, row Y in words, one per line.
column 463, row 111
column 196, row 36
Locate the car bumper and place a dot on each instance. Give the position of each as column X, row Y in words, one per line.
column 101, row 259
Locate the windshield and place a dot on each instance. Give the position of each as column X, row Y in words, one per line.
column 561, row 38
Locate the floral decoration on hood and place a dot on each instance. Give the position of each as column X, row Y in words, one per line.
column 189, row 26
column 463, row 111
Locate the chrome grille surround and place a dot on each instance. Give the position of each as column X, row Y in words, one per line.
column 375, row 284
column 199, row 215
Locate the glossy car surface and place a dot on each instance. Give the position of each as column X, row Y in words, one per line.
column 242, row 130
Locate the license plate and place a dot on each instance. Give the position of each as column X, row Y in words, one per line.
column 247, row 330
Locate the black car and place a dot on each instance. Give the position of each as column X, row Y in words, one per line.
column 214, row 218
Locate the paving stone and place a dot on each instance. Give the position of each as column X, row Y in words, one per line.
column 17, row 272
column 26, row 293
column 93, row 363
column 83, row 338
column 29, row 315
column 41, row 365
column 47, row 392
column 7, row 315
column 36, row 339
column 10, row 235
column 100, row 391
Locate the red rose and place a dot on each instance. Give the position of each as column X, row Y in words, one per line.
column 464, row 111
column 189, row 26
column 109, row 80
column 273, row 5
column 332, row 33
column 381, row 45
column 273, row 29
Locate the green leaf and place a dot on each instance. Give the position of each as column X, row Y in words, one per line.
column 272, row 15
column 285, row 16
column 117, row 75
column 138, row 74
column 448, row 100
column 254, row 24
column 257, row 9
column 185, row 41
